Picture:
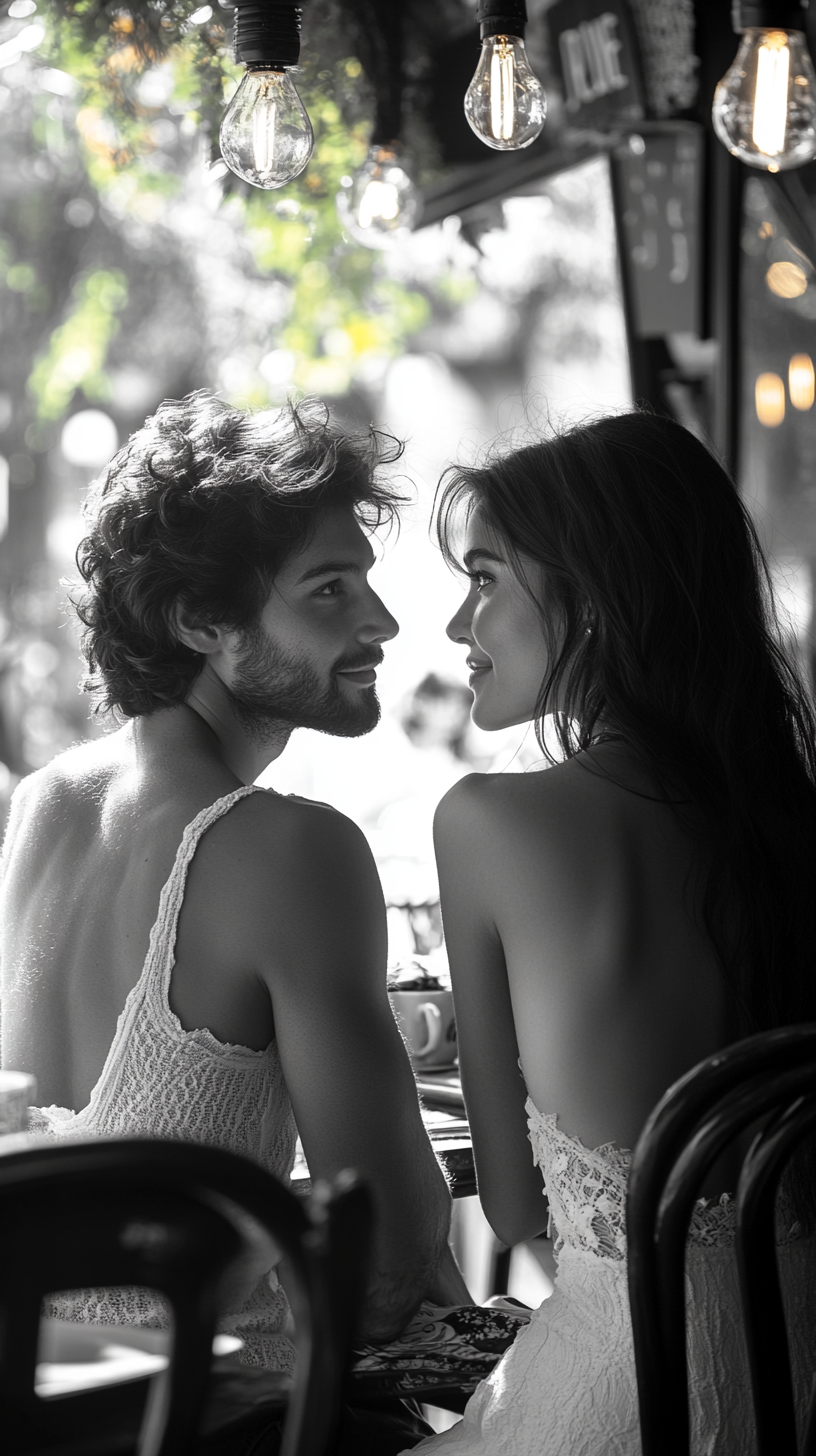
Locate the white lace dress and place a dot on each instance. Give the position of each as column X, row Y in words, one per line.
column 566, row 1386
column 163, row 1081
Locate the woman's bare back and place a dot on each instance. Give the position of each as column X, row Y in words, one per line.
column 571, row 906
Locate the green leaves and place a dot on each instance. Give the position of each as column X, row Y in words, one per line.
column 77, row 349
column 151, row 78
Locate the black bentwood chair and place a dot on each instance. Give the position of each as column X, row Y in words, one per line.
column 770, row 1076
column 171, row 1217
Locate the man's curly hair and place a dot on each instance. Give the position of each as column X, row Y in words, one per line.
column 202, row 507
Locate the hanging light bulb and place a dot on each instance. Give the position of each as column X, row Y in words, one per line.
column 505, row 103
column 764, row 107
column 266, row 136
column 380, row 205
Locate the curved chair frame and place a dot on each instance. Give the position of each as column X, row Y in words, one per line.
column 773, row 1074
column 136, row 1182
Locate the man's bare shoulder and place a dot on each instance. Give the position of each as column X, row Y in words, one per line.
column 299, row 879
column 80, row 775
column 292, row 838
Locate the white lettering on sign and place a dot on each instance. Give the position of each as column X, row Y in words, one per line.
column 680, row 255
column 589, row 56
column 644, row 254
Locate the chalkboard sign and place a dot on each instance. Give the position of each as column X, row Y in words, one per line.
column 600, row 67
column 657, row 189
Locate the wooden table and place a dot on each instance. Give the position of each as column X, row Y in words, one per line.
column 444, row 1117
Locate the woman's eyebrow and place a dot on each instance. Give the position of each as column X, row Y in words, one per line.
column 480, row 553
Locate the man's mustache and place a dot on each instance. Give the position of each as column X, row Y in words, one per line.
column 369, row 657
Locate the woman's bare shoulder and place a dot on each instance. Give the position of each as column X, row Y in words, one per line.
column 579, row 822
column 565, row 794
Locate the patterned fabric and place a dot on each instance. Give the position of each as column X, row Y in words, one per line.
column 162, row 1081
column 442, row 1348
column 566, row 1386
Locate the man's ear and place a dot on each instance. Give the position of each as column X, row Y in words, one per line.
column 192, row 632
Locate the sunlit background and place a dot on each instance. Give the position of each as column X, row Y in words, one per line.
column 133, row 268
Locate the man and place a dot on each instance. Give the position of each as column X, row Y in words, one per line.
column 226, row 602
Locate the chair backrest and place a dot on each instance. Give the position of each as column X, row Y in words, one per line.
column 771, row 1076
column 168, row 1216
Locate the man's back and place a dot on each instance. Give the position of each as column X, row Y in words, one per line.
column 91, row 842
column 279, row 938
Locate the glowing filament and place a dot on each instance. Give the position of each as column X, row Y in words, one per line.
column 769, row 396
column 502, row 91
column 263, row 135
column 771, row 98
column 380, row 200
column 801, row 381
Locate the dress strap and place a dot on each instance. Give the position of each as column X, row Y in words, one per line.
column 161, row 953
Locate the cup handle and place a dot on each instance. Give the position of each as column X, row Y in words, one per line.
column 433, row 1028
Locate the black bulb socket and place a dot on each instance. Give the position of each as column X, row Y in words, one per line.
column 767, row 15
column 267, row 34
column 501, row 17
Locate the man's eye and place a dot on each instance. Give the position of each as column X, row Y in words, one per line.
column 331, row 589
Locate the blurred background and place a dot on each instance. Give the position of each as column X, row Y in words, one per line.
column 623, row 255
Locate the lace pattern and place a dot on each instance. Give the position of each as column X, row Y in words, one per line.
column 161, row 1080
column 568, row 1383
column 586, row 1188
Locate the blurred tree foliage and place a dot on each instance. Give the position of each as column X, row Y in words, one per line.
column 152, row 80
column 133, row 267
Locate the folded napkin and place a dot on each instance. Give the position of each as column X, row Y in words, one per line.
column 443, row 1348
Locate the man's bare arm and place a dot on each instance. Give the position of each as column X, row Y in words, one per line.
column 344, row 1061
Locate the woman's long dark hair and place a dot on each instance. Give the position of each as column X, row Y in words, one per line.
column 645, row 542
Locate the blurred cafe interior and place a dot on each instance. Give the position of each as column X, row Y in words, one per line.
column 457, row 257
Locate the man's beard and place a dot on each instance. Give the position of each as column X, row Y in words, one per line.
column 273, row 693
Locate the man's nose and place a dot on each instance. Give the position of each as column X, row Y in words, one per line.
column 380, row 626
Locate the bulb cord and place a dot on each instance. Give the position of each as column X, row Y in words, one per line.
column 379, row 43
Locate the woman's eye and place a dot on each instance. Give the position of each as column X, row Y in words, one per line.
column 480, row 579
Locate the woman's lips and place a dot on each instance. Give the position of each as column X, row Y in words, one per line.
column 477, row 670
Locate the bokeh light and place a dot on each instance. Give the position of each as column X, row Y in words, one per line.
column 769, row 393
column 89, row 438
column 801, row 381
column 786, row 280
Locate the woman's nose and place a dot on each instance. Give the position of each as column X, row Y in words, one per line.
column 458, row 628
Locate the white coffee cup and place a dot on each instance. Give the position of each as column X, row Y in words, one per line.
column 428, row 1025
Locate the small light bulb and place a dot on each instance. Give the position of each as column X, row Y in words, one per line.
column 764, row 107
column 266, row 136
column 381, row 205
column 505, row 102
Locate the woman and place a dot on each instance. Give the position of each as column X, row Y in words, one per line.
column 643, row 903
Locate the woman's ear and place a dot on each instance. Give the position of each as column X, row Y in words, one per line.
column 200, row 636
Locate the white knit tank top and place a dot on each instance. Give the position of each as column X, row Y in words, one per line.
column 162, row 1081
